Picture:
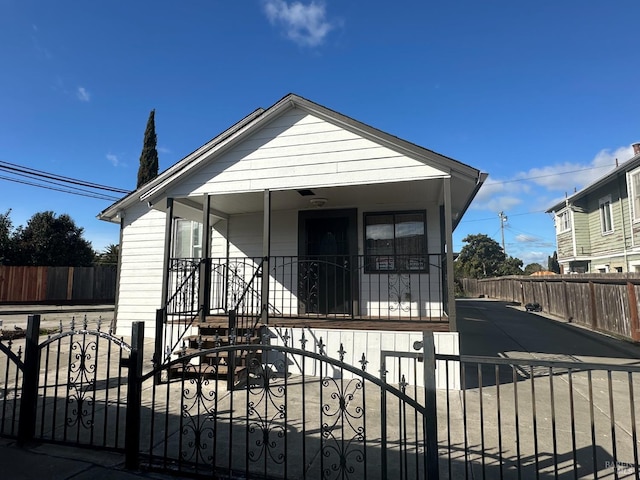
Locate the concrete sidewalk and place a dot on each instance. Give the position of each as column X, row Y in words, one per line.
column 55, row 462
column 14, row 317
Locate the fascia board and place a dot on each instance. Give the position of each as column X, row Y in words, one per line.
column 142, row 193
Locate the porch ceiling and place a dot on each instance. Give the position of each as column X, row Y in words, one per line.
column 384, row 195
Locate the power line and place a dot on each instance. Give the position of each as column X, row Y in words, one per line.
column 548, row 175
column 99, row 196
column 12, row 167
column 511, row 215
column 75, row 189
column 61, row 183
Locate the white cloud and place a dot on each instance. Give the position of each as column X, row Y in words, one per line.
column 569, row 176
column 82, row 94
column 113, row 159
column 534, row 257
column 305, row 24
column 497, row 196
column 529, row 186
column 524, row 238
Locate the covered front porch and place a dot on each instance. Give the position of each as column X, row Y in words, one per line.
column 341, row 255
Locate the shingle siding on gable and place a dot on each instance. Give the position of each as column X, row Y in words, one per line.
column 298, row 150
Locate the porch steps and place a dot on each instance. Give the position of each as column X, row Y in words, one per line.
column 215, row 365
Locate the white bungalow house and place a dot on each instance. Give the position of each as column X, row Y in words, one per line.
column 298, row 216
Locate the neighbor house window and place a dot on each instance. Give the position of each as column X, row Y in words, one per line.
column 187, row 239
column 635, row 194
column 606, row 221
column 396, row 242
column 563, row 221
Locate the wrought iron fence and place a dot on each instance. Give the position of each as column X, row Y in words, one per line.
column 537, row 418
column 282, row 425
column 11, row 369
column 301, row 414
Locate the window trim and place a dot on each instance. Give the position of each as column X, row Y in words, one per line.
column 193, row 246
column 560, row 223
column 368, row 257
column 602, row 204
column 634, row 195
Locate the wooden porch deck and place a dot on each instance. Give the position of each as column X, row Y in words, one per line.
column 439, row 324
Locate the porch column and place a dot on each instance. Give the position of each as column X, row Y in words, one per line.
column 266, row 254
column 204, row 287
column 168, row 235
column 448, row 235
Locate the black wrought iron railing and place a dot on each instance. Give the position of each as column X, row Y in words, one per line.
column 183, row 307
column 402, row 287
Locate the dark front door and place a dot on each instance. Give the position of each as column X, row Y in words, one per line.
column 327, row 245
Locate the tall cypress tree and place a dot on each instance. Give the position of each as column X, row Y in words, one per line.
column 148, row 169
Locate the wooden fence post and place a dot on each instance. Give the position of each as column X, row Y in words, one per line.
column 633, row 311
column 593, row 314
column 134, row 398
column 30, row 376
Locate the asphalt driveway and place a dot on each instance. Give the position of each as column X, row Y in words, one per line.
column 495, row 328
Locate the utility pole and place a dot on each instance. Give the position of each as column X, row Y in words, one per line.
column 503, row 220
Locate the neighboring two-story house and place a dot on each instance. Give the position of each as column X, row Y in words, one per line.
column 598, row 227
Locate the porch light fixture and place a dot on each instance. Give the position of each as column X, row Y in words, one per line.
column 318, row 202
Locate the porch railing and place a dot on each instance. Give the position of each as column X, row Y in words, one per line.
column 174, row 320
column 401, row 287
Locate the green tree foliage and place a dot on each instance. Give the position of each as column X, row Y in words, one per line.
column 533, row 268
column 552, row 262
column 109, row 256
column 480, row 257
column 6, row 237
column 510, row 266
column 48, row 240
column 148, row 169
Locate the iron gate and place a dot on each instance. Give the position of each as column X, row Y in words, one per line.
column 345, row 423
column 11, row 368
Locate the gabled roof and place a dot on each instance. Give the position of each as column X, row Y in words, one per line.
column 260, row 117
column 623, row 168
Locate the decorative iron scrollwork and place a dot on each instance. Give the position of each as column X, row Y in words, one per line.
column 81, row 385
column 399, row 290
column 266, row 411
column 343, row 431
column 198, row 414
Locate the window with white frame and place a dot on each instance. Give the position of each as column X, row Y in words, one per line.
column 635, row 194
column 187, row 239
column 606, row 217
column 563, row 221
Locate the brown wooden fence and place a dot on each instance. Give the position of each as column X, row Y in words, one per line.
column 58, row 284
column 604, row 302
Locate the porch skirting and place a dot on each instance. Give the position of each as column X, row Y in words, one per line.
column 369, row 346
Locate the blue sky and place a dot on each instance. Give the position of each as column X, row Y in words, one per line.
column 541, row 95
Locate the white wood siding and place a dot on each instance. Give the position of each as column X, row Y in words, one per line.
column 356, row 343
column 141, row 270
column 298, row 150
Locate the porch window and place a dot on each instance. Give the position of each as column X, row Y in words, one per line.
column 396, row 242
column 187, row 239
